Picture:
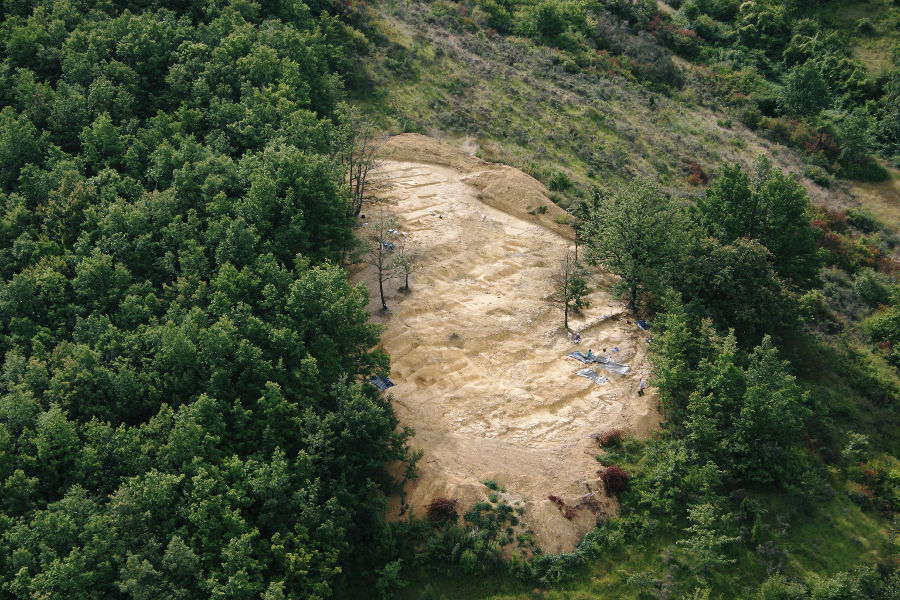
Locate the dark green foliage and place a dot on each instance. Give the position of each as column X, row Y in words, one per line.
column 887, row 130
column 636, row 234
column 805, row 91
column 182, row 412
column 884, row 327
column 735, row 284
column 773, row 209
column 744, row 414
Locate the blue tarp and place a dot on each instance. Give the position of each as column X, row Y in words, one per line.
column 642, row 324
column 382, row 383
column 603, row 362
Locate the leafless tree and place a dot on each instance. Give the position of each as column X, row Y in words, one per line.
column 357, row 149
column 570, row 288
column 406, row 259
column 379, row 250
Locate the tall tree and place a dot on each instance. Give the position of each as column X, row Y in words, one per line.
column 804, row 92
column 357, row 148
column 569, row 287
column 772, row 209
column 379, row 251
column 635, row 233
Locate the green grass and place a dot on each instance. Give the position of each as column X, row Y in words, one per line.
column 512, row 100
column 874, row 50
column 515, row 101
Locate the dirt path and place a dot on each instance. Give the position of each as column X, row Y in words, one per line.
column 478, row 355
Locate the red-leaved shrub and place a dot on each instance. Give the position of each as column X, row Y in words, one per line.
column 614, row 478
column 610, row 437
column 442, row 509
column 697, row 176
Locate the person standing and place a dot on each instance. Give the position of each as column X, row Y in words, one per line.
column 641, row 387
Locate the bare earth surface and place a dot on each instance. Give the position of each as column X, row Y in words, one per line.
column 478, row 355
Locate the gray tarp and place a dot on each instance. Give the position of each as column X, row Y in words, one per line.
column 593, row 376
column 382, row 383
column 603, row 362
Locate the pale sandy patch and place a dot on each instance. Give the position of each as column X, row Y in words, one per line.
column 478, row 355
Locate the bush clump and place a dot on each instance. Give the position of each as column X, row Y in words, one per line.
column 615, row 479
column 442, row 510
column 610, row 437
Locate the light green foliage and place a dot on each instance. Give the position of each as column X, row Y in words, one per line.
column 389, row 580
column 805, row 91
column 873, row 287
column 854, row 137
column 777, row 587
column 708, row 537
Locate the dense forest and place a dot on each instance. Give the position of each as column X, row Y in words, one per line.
column 184, row 410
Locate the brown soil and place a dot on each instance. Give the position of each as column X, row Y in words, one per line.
column 478, row 355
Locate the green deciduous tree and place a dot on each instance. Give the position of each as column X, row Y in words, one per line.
column 804, row 91
column 772, row 209
column 709, row 537
column 635, row 233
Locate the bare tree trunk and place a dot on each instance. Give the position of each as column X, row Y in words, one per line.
column 381, row 290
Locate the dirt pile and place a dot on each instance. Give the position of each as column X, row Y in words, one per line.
column 479, row 356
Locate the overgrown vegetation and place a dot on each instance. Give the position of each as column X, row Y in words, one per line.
column 183, row 410
column 182, row 406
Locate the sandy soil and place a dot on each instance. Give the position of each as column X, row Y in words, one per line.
column 478, row 354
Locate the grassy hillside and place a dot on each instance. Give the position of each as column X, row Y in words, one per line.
column 871, row 27
column 514, row 101
column 637, row 107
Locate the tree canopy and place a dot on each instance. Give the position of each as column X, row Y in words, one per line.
column 183, row 410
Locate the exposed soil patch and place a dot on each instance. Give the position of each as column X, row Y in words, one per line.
column 479, row 356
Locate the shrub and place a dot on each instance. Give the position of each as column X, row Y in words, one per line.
column 697, row 176
column 610, row 437
column 874, row 288
column 442, row 510
column 865, row 27
column 560, row 182
column 863, row 220
column 615, row 479
column 468, row 561
column 819, row 175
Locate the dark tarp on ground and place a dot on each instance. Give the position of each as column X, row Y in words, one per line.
column 382, row 383
column 642, row 324
column 593, row 376
column 601, row 361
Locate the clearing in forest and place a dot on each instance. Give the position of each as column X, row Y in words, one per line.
column 479, row 356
